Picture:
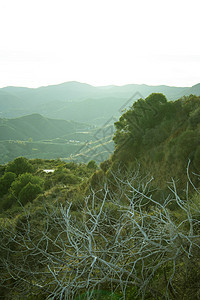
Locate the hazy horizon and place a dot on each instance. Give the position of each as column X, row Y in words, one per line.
column 108, row 85
column 99, row 42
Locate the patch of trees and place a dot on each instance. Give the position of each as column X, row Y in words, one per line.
column 18, row 184
column 161, row 135
column 23, row 180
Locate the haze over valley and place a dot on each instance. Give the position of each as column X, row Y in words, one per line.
column 71, row 121
column 79, row 101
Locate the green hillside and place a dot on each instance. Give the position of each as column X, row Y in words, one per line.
column 80, row 102
column 37, row 127
column 95, row 111
column 35, row 136
column 126, row 229
column 161, row 137
column 11, row 105
column 76, row 91
column 67, row 150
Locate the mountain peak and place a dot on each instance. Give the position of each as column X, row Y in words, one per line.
column 34, row 116
column 195, row 90
column 196, row 85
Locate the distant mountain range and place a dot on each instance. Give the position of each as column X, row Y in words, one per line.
column 71, row 121
column 80, row 102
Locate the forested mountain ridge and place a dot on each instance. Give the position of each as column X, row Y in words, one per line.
column 194, row 90
column 76, row 91
column 68, row 100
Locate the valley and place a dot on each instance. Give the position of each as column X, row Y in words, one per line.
column 72, row 121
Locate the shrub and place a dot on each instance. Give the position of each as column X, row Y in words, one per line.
column 5, row 182
column 197, row 158
column 19, row 166
column 92, row 165
column 29, row 192
column 186, row 144
column 22, row 181
column 105, row 165
column 7, row 202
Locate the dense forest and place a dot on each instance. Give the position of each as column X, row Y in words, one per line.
column 128, row 228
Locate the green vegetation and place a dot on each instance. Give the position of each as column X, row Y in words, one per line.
column 77, row 101
column 126, row 229
column 5, row 182
column 19, row 166
column 35, row 127
column 22, row 180
column 35, row 136
column 162, row 136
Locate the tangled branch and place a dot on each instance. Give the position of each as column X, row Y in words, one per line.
column 118, row 239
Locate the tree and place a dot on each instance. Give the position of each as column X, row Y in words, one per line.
column 20, row 165
column 143, row 116
column 29, row 192
column 22, row 181
column 64, row 175
column 197, row 158
column 5, row 182
column 92, row 164
column 186, row 145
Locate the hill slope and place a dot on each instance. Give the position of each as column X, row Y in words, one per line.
column 35, row 136
column 79, row 101
column 36, row 127
column 161, row 136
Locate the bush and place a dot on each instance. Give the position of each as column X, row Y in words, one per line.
column 97, row 178
column 72, row 179
column 7, row 202
column 92, row 165
column 186, row 145
column 197, row 158
column 5, row 182
column 194, row 119
column 19, row 166
column 71, row 165
column 29, row 192
column 105, row 165
column 22, row 181
column 64, row 176
column 122, row 247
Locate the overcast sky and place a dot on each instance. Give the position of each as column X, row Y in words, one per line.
column 100, row 42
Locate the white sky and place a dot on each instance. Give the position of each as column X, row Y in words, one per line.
column 99, row 42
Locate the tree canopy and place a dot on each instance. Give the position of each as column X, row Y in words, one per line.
column 19, row 165
column 160, row 134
